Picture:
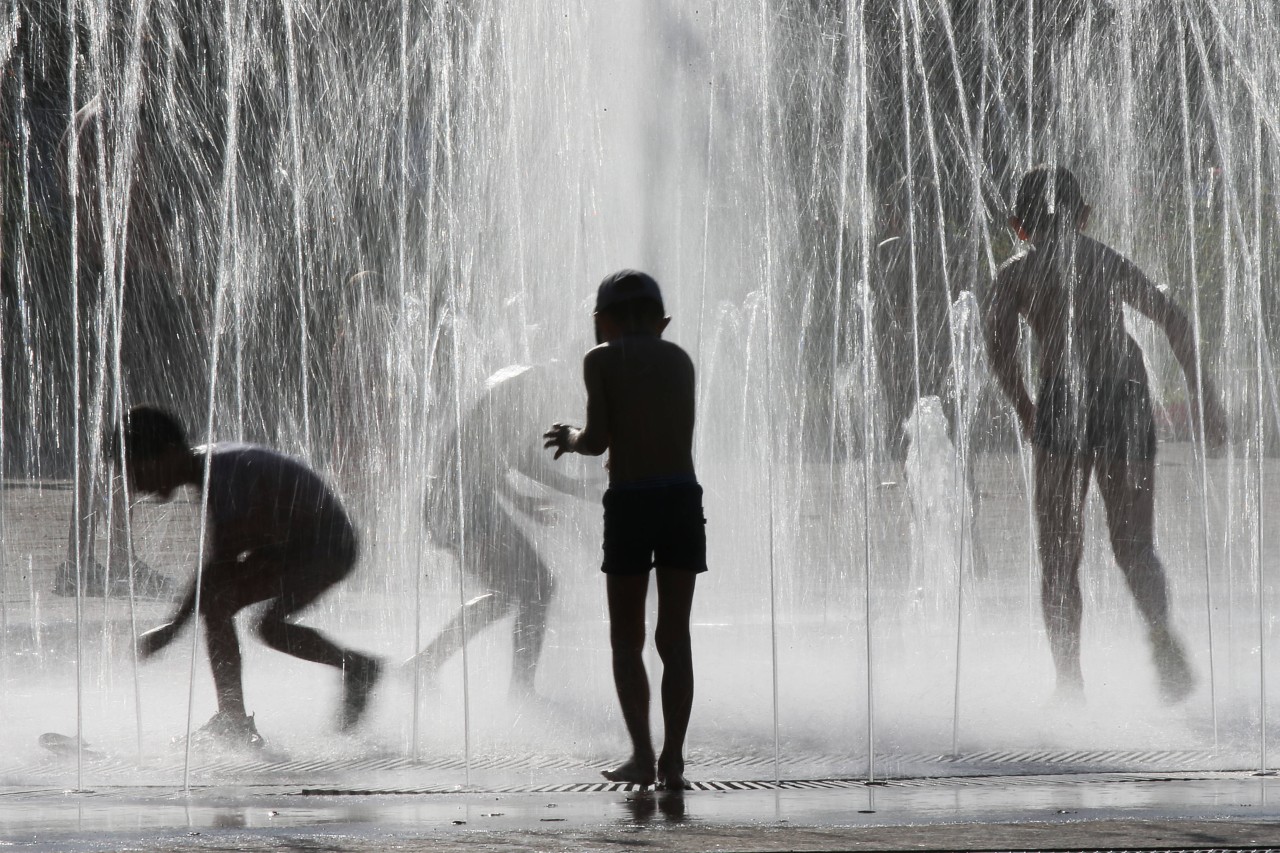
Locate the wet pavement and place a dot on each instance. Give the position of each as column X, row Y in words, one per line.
column 1121, row 773
column 1209, row 811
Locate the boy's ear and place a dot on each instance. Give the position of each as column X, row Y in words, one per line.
column 662, row 325
column 1016, row 225
column 1083, row 220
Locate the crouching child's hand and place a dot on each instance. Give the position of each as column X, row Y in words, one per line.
column 151, row 642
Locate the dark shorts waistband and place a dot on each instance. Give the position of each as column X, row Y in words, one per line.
column 654, row 525
column 655, row 483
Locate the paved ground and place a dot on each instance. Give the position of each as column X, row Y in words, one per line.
column 1103, row 811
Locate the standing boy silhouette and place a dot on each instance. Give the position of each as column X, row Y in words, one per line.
column 276, row 533
column 640, row 408
column 1093, row 411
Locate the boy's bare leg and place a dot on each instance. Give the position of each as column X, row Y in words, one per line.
column 359, row 671
column 626, row 595
column 229, row 587
column 1128, row 492
column 1062, row 483
column 675, row 601
column 291, row 586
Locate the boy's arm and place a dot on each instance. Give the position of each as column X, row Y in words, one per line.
column 593, row 438
column 1143, row 295
column 220, row 548
column 1000, row 328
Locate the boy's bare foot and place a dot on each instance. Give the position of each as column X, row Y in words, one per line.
column 671, row 776
column 673, row 782
column 634, row 771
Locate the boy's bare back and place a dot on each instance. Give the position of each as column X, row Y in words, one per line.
column 1072, row 293
column 640, row 405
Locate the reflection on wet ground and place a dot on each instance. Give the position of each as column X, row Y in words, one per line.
column 1094, row 811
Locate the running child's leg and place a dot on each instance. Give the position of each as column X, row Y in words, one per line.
column 1128, row 493
column 472, row 617
column 533, row 593
column 1062, row 484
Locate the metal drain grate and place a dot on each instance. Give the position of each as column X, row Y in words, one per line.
column 528, row 773
column 726, row 786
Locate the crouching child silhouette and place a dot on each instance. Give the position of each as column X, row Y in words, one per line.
column 276, row 533
column 640, row 408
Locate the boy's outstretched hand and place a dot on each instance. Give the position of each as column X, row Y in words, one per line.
column 150, row 642
column 560, row 436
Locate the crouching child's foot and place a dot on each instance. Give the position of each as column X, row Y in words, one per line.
column 358, row 678
column 227, row 730
column 634, row 771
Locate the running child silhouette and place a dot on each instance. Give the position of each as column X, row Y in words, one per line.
column 276, row 533
column 640, row 408
column 1092, row 415
column 474, row 482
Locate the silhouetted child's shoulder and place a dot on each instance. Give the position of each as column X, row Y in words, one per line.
column 1107, row 259
column 649, row 351
column 643, row 366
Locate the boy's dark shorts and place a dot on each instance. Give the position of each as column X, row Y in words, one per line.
column 654, row 526
column 1112, row 419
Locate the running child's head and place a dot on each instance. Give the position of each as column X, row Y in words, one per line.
column 155, row 451
column 1049, row 199
column 628, row 302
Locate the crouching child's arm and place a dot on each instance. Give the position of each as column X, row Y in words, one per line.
column 153, row 641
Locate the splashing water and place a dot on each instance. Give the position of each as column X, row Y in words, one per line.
column 321, row 226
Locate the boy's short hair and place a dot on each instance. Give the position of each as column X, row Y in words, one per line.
column 147, row 433
column 1047, row 195
column 630, row 297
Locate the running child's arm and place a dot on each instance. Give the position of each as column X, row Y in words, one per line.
column 536, row 467
column 1143, row 295
column 1000, row 325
